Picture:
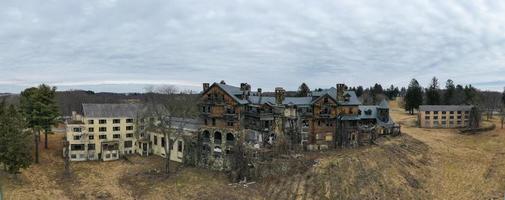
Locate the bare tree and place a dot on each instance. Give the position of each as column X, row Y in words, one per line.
column 167, row 112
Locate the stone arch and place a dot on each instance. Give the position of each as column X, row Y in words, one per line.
column 206, row 135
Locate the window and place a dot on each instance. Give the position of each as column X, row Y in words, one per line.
column 115, row 128
column 427, row 112
column 444, row 117
column 466, row 112
column 435, row 117
column 129, row 128
column 213, row 122
column 102, row 129
column 91, row 129
column 76, row 147
column 77, row 137
column 73, row 156
column 451, row 117
column 77, row 130
column 91, row 121
column 459, row 117
column 205, row 122
column 179, row 146
column 91, row 137
column 116, row 136
column 91, row 147
column 102, row 137
column 443, row 112
column 116, row 121
column 129, row 120
column 326, row 100
column 230, row 123
column 128, row 144
column 163, row 141
column 452, row 112
column 427, row 117
column 459, row 112
column 155, row 140
column 435, row 112
column 102, row 121
column 129, row 135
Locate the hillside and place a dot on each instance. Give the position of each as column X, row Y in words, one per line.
column 420, row 164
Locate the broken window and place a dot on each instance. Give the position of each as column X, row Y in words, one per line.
column 129, row 135
column 217, row 137
column 129, row 120
column 115, row 128
column 102, row 129
column 179, row 146
column 91, row 129
column 206, row 136
column 129, row 128
column 230, row 138
column 77, row 147
column 91, row 147
column 128, row 144
column 77, row 130
column 77, row 137
column 91, row 137
column 116, row 121
column 102, row 137
column 116, row 136
column 102, row 121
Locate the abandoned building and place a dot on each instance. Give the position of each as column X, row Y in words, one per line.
column 323, row 119
column 109, row 131
column 444, row 116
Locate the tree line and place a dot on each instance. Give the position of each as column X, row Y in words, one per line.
column 451, row 94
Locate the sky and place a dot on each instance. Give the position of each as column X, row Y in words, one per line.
column 125, row 45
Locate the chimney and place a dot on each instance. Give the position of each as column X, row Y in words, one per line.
column 340, row 91
column 205, row 86
column 279, row 95
column 259, row 92
column 246, row 90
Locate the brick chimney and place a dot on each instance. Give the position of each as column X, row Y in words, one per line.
column 246, row 90
column 206, row 86
column 259, row 92
column 279, row 95
column 340, row 91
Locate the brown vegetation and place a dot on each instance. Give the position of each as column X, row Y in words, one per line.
column 421, row 164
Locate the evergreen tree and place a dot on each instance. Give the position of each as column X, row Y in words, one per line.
column 471, row 95
column 359, row 91
column 450, row 89
column 433, row 93
column 413, row 96
column 303, row 90
column 15, row 152
column 503, row 97
column 39, row 109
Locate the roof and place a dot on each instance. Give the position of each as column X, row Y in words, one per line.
column 110, row 110
column 232, row 91
column 287, row 100
column 423, row 108
column 366, row 115
column 353, row 98
column 384, row 104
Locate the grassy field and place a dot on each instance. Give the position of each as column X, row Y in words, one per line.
column 420, row 164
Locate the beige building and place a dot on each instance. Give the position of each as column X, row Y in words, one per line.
column 444, row 116
column 102, row 132
column 107, row 132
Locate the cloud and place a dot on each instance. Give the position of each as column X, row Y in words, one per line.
column 266, row 43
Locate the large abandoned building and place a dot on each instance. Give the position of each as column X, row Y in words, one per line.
column 323, row 119
column 444, row 116
column 109, row 131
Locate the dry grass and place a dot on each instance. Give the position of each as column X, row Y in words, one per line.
column 420, row 164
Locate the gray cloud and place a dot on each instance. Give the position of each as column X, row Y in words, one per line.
column 104, row 45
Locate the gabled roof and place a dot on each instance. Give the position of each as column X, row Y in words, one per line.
column 384, row 104
column 353, row 99
column 232, row 91
column 111, row 110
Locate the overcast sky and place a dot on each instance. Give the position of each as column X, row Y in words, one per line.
column 121, row 46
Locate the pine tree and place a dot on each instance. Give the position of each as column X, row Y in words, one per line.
column 359, row 91
column 15, row 151
column 450, row 89
column 413, row 96
column 433, row 93
column 39, row 109
column 303, row 90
